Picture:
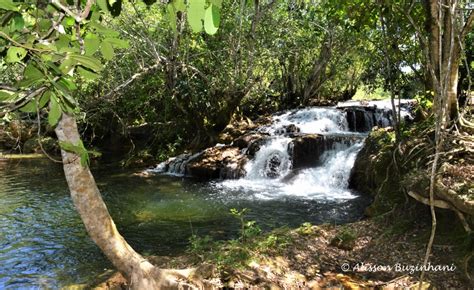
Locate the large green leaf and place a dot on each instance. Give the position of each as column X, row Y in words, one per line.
column 33, row 73
column 103, row 5
column 217, row 3
column 15, row 54
column 55, row 111
column 91, row 44
column 87, row 74
column 87, row 61
column 118, row 43
column 196, row 11
column 30, row 107
column 212, row 19
column 8, row 5
column 179, row 5
column 62, row 44
column 67, row 66
column 103, row 30
column 107, row 50
column 18, row 22
column 6, row 96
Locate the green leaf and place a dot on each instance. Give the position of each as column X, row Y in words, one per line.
column 44, row 99
column 8, row 5
column 18, row 22
column 217, row 3
column 33, row 73
column 212, row 19
column 55, row 111
column 171, row 14
column 69, row 21
column 32, row 76
column 30, row 107
column 103, row 30
column 119, row 43
column 196, row 14
column 87, row 61
column 15, row 54
column 179, row 5
column 107, row 50
column 64, row 91
column 78, row 149
column 87, row 74
column 62, row 43
column 70, row 85
column 67, row 66
column 91, row 44
column 6, row 96
column 103, row 5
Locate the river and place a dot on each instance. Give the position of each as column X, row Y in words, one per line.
column 43, row 243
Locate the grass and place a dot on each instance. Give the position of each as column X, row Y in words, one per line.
column 364, row 93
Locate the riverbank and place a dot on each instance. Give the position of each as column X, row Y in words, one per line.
column 386, row 249
column 374, row 252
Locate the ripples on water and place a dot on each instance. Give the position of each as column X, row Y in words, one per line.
column 43, row 243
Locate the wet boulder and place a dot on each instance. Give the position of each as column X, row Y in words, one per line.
column 273, row 166
column 247, row 139
column 217, row 162
column 288, row 130
column 307, row 149
column 236, row 129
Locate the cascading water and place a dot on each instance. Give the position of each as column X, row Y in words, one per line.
column 269, row 173
column 305, row 153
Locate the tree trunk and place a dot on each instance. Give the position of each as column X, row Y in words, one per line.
column 99, row 225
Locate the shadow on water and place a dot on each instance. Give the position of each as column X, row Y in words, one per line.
column 43, row 242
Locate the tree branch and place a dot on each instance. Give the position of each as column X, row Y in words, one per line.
column 467, row 26
column 77, row 17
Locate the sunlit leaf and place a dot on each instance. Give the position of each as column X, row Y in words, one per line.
column 217, row 3
column 196, row 13
column 212, row 19
column 107, row 50
column 15, row 54
column 87, row 74
column 179, row 5
column 87, row 61
column 103, row 5
column 6, row 96
column 91, row 44
column 55, row 111
column 8, row 5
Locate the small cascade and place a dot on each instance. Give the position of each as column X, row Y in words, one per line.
column 271, row 161
column 304, row 153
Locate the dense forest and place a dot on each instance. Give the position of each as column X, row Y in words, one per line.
column 359, row 112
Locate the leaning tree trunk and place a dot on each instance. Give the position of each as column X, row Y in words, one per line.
column 99, row 224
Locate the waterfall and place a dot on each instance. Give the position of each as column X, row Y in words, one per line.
column 271, row 161
column 305, row 153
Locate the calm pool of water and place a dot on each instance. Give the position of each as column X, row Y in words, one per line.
column 43, row 243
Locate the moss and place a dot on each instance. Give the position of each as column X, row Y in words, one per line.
column 374, row 172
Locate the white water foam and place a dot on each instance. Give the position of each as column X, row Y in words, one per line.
column 327, row 181
column 311, row 120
